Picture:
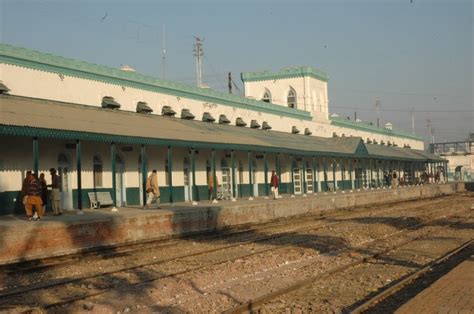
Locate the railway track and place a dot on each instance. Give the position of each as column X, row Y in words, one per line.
column 257, row 303
column 56, row 285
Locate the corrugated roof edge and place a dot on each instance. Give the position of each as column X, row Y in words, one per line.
column 338, row 121
column 48, row 62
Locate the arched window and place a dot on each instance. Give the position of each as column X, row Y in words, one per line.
column 97, row 171
column 291, row 98
column 267, row 96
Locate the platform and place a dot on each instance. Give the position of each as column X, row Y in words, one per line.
column 21, row 239
column 452, row 293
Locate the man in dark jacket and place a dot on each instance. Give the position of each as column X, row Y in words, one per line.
column 274, row 181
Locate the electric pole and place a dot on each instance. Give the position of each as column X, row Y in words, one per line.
column 429, row 124
column 378, row 104
column 163, row 56
column 198, row 53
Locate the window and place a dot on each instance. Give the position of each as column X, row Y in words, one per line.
column 267, row 97
column 291, row 98
column 97, row 171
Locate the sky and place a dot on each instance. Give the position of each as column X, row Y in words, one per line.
column 409, row 55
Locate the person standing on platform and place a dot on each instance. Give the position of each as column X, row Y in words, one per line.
column 153, row 190
column 394, row 179
column 55, row 192
column 210, row 183
column 44, row 190
column 274, row 181
column 24, row 189
column 34, row 199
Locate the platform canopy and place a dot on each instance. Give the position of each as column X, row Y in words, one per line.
column 22, row 116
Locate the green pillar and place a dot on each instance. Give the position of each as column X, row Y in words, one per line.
column 334, row 182
column 170, row 174
column 144, row 173
column 232, row 162
column 35, row 157
column 278, row 169
column 114, row 173
column 350, row 173
column 325, row 174
column 342, row 173
column 377, row 168
column 79, row 174
column 292, row 179
column 303, row 163
column 265, row 169
column 313, row 161
column 194, row 193
column 249, row 157
column 214, row 176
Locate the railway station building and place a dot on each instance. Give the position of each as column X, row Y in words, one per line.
column 105, row 129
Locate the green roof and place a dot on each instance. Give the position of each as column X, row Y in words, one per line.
column 284, row 74
column 22, row 116
column 52, row 63
column 339, row 121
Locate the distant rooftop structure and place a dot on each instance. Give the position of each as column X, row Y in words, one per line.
column 127, row 68
column 285, row 73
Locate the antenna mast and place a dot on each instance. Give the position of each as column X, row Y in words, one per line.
column 198, row 52
column 163, row 56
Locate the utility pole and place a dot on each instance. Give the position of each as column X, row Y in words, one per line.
column 413, row 120
column 378, row 104
column 230, row 83
column 198, row 53
column 429, row 124
column 163, row 56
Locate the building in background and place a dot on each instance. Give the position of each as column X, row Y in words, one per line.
column 106, row 128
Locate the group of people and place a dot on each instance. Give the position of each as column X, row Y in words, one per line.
column 34, row 193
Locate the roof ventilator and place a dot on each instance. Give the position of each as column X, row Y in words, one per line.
column 3, row 88
column 167, row 111
column 240, row 122
column 375, row 142
column 294, row 130
column 142, row 107
column 369, row 141
column 389, row 143
column 110, row 103
column 207, row 117
column 223, row 119
column 334, row 134
column 395, row 145
column 186, row 114
column 307, row 131
column 266, row 126
column 382, row 142
column 254, row 124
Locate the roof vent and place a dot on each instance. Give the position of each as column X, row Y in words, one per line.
column 207, row 117
column 223, row 119
column 266, row 126
column 294, row 130
column 142, row 107
column 307, row 131
column 388, row 126
column 369, row 141
column 110, row 103
column 343, row 135
column 389, row 143
column 382, row 142
column 395, row 145
column 254, row 124
column 167, row 111
column 240, row 122
column 186, row 114
column 334, row 134
column 375, row 142
column 3, row 88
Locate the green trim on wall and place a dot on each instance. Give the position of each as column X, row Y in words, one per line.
column 338, row 121
column 284, row 74
column 133, row 196
column 47, row 62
